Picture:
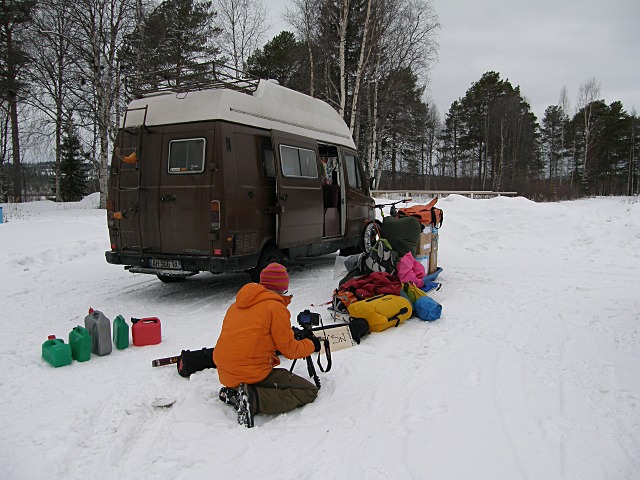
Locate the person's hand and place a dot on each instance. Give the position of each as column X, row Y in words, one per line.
column 300, row 333
column 316, row 342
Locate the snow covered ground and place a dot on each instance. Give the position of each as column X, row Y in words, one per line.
column 531, row 373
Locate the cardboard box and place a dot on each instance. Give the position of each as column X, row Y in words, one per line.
column 424, row 260
column 433, row 257
column 424, row 245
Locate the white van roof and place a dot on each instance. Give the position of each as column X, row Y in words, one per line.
column 271, row 106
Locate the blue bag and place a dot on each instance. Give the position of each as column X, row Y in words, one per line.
column 427, row 309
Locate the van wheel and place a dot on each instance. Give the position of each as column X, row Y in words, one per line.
column 370, row 235
column 169, row 279
column 269, row 255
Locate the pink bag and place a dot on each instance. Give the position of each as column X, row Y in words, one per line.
column 408, row 269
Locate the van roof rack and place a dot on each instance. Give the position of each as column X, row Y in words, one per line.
column 188, row 78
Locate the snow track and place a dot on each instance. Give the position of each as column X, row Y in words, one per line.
column 530, row 373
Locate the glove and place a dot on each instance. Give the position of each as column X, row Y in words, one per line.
column 300, row 333
column 316, row 342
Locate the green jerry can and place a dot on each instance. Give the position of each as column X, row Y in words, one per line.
column 120, row 333
column 56, row 352
column 80, row 341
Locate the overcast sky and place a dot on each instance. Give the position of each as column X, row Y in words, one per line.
column 540, row 45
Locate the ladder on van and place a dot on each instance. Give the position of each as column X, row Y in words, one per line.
column 128, row 166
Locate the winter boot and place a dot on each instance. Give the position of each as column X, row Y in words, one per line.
column 229, row 396
column 192, row 362
column 247, row 404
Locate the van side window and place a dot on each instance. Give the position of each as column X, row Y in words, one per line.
column 268, row 161
column 353, row 172
column 298, row 162
column 186, row 156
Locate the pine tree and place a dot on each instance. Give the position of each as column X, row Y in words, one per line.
column 175, row 34
column 15, row 18
column 73, row 169
column 280, row 59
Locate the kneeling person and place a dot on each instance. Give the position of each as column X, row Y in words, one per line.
column 256, row 325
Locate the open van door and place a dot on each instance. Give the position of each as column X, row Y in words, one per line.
column 300, row 206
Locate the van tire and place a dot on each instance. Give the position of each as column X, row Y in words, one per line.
column 370, row 235
column 270, row 254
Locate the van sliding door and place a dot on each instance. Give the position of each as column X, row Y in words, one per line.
column 299, row 190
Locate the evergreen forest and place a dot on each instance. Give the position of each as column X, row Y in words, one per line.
column 66, row 68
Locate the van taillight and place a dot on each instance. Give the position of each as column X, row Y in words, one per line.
column 215, row 214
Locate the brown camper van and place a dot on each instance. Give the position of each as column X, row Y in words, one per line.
column 230, row 178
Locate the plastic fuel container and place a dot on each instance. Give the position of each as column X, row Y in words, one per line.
column 120, row 333
column 99, row 327
column 56, row 352
column 80, row 342
column 146, row 331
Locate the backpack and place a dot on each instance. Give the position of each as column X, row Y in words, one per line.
column 426, row 214
column 381, row 258
column 342, row 299
column 382, row 311
column 403, row 233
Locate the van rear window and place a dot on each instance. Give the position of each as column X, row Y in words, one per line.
column 187, row 156
column 298, row 162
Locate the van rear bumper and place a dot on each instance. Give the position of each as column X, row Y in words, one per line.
column 190, row 263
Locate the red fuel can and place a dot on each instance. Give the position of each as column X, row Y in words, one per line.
column 146, row 331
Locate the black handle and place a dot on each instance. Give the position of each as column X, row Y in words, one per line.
column 168, row 198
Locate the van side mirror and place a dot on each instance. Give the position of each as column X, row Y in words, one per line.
column 372, row 183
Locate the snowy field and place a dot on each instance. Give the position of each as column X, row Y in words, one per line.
column 531, row 373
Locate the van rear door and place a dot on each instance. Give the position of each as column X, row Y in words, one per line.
column 185, row 190
column 359, row 202
column 299, row 190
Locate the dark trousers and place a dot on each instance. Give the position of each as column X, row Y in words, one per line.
column 282, row 391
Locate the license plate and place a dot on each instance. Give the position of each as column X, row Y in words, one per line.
column 171, row 264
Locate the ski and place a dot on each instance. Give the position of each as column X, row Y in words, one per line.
column 160, row 362
column 339, row 336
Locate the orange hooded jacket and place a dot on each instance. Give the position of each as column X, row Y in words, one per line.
column 254, row 327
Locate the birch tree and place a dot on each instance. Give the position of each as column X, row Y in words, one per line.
column 51, row 71
column 365, row 51
column 403, row 37
column 342, row 42
column 588, row 93
column 243, row 25
column 102, row 25
column 303, row 17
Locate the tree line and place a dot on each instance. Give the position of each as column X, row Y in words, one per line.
column 65, row 66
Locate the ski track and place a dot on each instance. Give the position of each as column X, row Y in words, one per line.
column 529, row 374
